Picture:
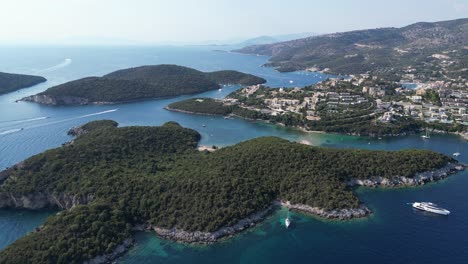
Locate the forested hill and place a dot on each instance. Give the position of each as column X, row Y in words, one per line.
column 375, row 50
column 140, row 83
column 132, row 175
column 10, row 82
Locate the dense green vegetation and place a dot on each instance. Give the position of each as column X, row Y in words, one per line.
column 202, row 106
column 156, row 175
column 93, row 125
column 234, row 77
column 71, row 237
column 144, row 82
column 433, row 97
column 10, row 82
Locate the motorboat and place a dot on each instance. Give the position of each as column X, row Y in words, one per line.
column 430, row 207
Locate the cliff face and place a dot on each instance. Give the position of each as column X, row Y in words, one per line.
column 42, row 200
column 56, row 100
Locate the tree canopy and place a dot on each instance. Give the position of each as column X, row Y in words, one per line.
column 10, row 82
column 155, row 175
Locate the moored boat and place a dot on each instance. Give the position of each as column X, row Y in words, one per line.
column 430, row 207
column 287, row 222
column 426, row 136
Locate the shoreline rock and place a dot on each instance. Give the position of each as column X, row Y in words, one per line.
column 341, row 214
column 56, row 100
column 211, row 237
column 401, row 181
column 199, row 237
column 35, row 201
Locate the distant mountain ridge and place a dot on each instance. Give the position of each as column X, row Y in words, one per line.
column 370, row 50
column 139, row 83
column 273, row 39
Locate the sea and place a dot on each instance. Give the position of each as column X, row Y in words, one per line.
column 394, row 233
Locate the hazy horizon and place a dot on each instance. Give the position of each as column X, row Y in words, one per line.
column 146, row 22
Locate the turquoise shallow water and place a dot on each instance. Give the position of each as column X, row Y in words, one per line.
column 393, row 234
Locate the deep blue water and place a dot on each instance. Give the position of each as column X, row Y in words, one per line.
column 393, row 234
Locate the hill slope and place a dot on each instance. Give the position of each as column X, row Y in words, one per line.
column 140, row 83
column 10, row 82
column 375, row 50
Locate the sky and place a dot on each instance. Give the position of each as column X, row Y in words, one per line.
column 197, row 21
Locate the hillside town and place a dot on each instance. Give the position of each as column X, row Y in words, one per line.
column 435, row 103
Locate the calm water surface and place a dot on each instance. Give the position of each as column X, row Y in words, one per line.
column 395, row 233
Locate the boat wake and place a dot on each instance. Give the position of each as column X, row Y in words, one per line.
column 24, row 120
column 74, row 118
column 42, row 124
column 99, row 113
column 10, row 131
column 63, row 64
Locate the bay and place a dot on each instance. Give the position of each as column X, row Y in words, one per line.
column 395, row 233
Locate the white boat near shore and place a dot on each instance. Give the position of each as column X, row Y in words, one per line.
column 426, row 136
column 430, row 207
column 287, row 222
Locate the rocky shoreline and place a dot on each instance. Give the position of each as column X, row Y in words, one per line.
column 55, row 100
column 35, row 201
column 118, row 251
column 208, row 237
column 400, row 181
column 463, row 134
column 341, row 214
column 199, row 237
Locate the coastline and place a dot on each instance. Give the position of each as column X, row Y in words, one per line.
column 52, row 101
column 401, row 181
column 199, row 237
column 300, row 128
column 340, row 214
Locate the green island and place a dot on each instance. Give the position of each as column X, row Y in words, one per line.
column 140, row 83
column 111, row 181
column 10, row 82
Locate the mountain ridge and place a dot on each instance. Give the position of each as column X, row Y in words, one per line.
column 370, row 50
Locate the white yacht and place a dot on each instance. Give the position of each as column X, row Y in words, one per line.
column 430, row 207
column 456, row 154
column 287, row 222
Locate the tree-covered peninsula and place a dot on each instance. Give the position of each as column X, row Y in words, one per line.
column 140, row 83
column 10, row 82
column 111, row 180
